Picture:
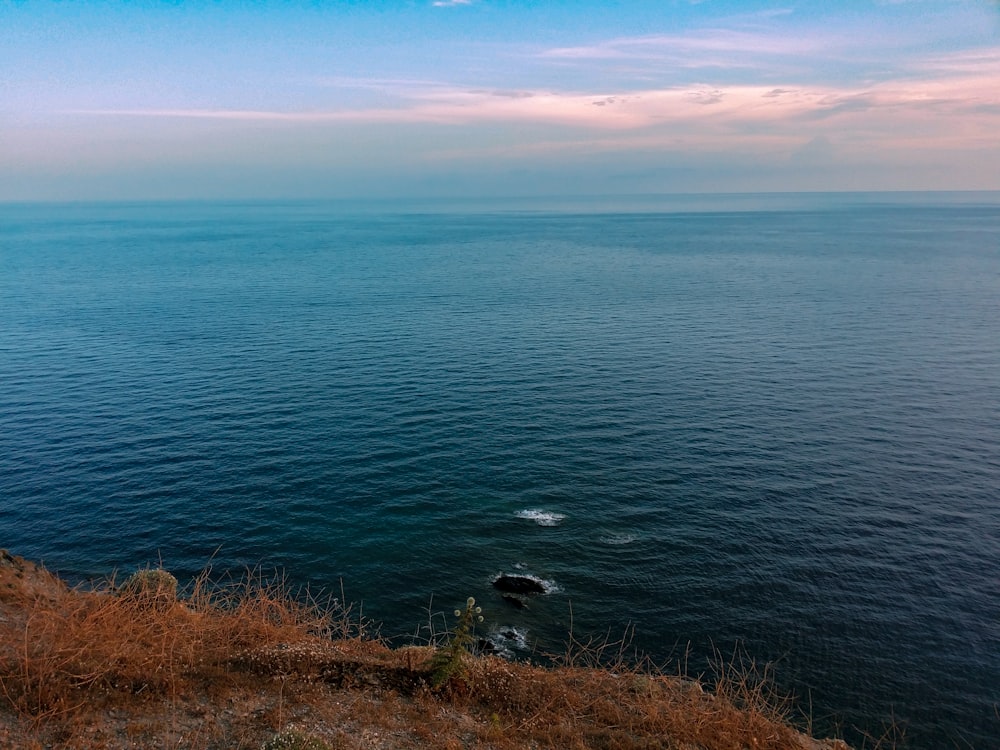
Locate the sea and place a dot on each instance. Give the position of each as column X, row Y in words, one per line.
column 720, row 428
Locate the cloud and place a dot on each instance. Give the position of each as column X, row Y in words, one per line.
column 510, row 94
column 680, row 47
column 783, row 45
column 983, row 60
column 940, row 101
column 373, row 84
column 436, row 129
column 834, row 104
column 216, row 114
column 705, row 96
column 709, row 108
column 450, row 3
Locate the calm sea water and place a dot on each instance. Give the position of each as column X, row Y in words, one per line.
column 749, row 422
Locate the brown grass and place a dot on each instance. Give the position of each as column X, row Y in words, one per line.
column 75, row 644
column 229, row 665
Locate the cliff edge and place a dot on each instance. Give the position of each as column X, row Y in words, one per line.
column 143, row 665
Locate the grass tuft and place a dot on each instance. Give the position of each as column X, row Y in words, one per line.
column 142, row 640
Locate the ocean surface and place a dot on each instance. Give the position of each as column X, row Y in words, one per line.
column 762, row 424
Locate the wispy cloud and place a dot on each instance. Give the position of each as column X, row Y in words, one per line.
column 741, row 54
column 374, row 84
column 969, row 61
column 450, row 3
column 938, row 101
column 216, row 114
column 775, row 43
column 681, row 46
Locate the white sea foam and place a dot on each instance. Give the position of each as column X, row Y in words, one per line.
column 541, row 517
column 508, row 640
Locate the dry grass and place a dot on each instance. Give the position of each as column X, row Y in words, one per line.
column 622, row 706
column 230, row 665
column 79, row 643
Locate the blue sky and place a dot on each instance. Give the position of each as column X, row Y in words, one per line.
column 495, row 98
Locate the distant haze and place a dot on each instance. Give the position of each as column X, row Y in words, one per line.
column 480, row 98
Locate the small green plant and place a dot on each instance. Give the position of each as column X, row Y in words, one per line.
column 151, row 584
column 449, row 661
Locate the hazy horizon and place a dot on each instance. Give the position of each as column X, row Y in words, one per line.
column 485, row 99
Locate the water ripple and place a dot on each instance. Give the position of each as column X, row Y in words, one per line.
column 777, row 429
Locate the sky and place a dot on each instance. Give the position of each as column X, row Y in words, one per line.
column 481, row 98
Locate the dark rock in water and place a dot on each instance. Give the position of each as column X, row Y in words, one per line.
column 484, row 646
column 515, row 602
column 510, row 635
column 518, row 584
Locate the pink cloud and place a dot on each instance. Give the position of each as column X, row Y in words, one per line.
column 953, row 99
